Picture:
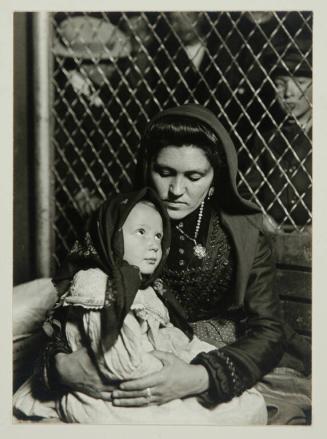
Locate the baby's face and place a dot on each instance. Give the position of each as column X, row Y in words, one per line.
column 142, row 232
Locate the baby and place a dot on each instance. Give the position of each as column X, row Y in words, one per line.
column 114, row 305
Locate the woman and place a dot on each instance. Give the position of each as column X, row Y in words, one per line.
column 220, row 270
column 111, row 307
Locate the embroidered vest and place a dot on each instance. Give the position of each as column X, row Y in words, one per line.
column 205, row 290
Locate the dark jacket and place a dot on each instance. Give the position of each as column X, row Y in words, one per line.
column 241, row 364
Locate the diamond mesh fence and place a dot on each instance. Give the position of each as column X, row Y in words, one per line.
column 113, row 71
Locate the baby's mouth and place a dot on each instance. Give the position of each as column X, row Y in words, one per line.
column 151, row 260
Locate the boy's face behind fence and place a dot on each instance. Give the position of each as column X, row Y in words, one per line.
column 143, row 232
column 294, row 95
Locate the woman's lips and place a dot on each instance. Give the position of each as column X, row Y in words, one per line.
column 174, row 204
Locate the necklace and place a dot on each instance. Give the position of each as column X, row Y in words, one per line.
column 198, row 249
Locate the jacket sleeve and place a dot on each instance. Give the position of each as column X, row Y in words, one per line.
column 238, row 366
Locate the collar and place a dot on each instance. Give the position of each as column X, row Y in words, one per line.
column 305, row 127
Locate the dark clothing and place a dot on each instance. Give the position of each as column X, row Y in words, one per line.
column 232, row 282
column 202, row 286
column 285, row 158
column 259, row 349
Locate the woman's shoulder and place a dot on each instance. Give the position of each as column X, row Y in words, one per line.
column 244, row 222
column 87, row 289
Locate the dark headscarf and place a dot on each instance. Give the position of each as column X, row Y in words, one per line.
column 103, row 247
column 226, row 194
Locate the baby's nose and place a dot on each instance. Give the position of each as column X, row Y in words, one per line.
column 154, row 245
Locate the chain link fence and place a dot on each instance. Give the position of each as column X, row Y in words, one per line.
column 113, row 71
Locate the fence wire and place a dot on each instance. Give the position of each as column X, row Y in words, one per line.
column 114, row 71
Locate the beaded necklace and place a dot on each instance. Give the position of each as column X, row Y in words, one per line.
column 198, row 249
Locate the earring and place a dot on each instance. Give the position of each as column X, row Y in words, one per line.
column 211, row 192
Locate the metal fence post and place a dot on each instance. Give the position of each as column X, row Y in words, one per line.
column 42, row 104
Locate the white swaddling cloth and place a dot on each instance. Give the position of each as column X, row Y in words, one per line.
column 146, row 328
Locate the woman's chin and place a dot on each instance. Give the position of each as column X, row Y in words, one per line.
column 175, row 214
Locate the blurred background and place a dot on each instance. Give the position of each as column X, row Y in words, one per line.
column 87, row 83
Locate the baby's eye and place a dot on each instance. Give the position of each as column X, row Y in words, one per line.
column 159, row 236
column 140, row 231
column 164, row 172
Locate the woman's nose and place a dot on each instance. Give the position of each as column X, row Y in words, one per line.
column 176, row 187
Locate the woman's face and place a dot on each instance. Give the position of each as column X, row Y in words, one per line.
column 182, row 176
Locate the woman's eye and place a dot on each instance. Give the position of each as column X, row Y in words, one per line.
column 195, row 177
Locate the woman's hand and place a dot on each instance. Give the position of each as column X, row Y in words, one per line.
column 77, row 372
column 176, row 379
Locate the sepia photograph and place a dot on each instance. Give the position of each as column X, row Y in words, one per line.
column 162, row 217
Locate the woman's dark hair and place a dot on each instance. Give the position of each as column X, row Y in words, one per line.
column 183, row 131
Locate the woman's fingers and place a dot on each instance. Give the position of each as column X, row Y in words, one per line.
column 106, row 396
column 140, row 394
column 150, row 380
column 127, row 394
column 142, row 383
column 165, row 357
column 97, row 392
column 77, row 371
column 156, row 388
column 134, row 398
column 133, row 402
column 132, row 393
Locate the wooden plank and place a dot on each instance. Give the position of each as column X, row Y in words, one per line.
column 293, row 248
column 294, row 284
column 298, row 315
